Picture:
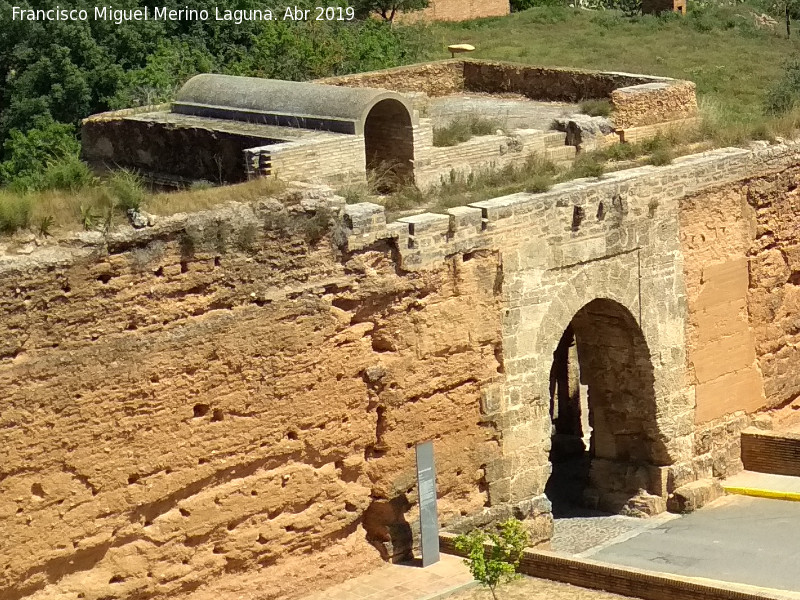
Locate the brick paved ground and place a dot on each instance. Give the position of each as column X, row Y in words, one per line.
column 402, row 582
column 528, row 588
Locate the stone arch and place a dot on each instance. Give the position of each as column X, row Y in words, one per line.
column 615, row 366
column 389, row 143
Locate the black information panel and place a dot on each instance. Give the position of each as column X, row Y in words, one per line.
column 428, row 515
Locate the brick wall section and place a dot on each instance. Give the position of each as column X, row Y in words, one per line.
column 716, row 235
column 435, row 165
column 543, row 83
column 771, row 452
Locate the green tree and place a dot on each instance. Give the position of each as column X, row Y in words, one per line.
column 497, row 563
column 28, row 154
column 388, row 9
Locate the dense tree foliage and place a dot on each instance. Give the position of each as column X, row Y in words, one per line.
column 55, row 72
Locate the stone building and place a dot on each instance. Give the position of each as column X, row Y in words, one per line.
column 461, row 10
column 377, row 125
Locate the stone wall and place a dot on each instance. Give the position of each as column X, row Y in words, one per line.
column 225, row 395
column 741, row 248
column 667, row 246
column 333, row 158
column 439, row 78
column 459, row 10
column 436, row 165
column 217, row 396
column 657, row 102
column 109, row 140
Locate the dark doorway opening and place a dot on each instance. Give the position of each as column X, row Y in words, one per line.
column 571, row 448
column 605, row 439
column 389, row 145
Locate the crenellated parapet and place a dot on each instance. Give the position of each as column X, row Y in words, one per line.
column 578, row 208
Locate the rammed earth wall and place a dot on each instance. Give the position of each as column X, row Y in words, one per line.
column 219, row 399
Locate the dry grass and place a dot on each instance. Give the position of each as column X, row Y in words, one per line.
column 103, row 205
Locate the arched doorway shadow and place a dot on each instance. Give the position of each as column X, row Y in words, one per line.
column 389, row 145
column 605, row 444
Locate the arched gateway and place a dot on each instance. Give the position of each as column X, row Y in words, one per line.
column 602, row 405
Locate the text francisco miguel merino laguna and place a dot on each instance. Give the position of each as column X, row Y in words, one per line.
column 119, row 16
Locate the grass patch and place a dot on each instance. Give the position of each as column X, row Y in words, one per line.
column 463, row 129
column 732, row 62
column 588, row 164
column 596, row 108
column 103, row 204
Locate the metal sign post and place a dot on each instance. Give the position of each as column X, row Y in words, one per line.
column 428, row 515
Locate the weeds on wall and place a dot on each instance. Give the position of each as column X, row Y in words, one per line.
column 462, row 129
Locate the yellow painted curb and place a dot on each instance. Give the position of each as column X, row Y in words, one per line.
column 745, row 491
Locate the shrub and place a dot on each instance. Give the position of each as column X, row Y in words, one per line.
column 596, row 108
column 621, row 151
column 497, row 563
column 783, row 95
column 67, row 173
column 29, row 153
column 661, row 156
column 15, row 212
column 126, row 189
column 586, row 165
column 539, row 183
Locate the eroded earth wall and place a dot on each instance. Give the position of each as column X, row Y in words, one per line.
column 742, row 248
column 224, row 395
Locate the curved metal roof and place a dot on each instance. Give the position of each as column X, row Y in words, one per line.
column 286, row 103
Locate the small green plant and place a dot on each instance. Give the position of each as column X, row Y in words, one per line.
column 15, row 213
column 44, row 226
column 496, row 563
column 539, row 183
column 127, row 190
column 89, row 219
column 596, row 108
column 621, row 151
column 661, row 156
column 67, row 173
column 586, row 165
column 317, row 226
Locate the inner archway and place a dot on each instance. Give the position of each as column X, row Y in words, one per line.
column 389, row 145
column 604, row 441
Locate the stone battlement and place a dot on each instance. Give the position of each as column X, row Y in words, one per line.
column 556, row 215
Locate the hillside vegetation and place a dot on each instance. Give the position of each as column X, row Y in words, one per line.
column 53, row 74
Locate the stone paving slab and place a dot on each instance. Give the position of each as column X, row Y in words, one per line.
column 739, row 539
column 764, row 482
column 403, row 582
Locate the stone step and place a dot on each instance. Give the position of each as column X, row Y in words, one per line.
column 560, row 153
column 554, row 139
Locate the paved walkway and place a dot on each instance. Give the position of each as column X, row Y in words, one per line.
column 739, row 539
column 765, row 485
column 404, row 582
column 511, row 113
